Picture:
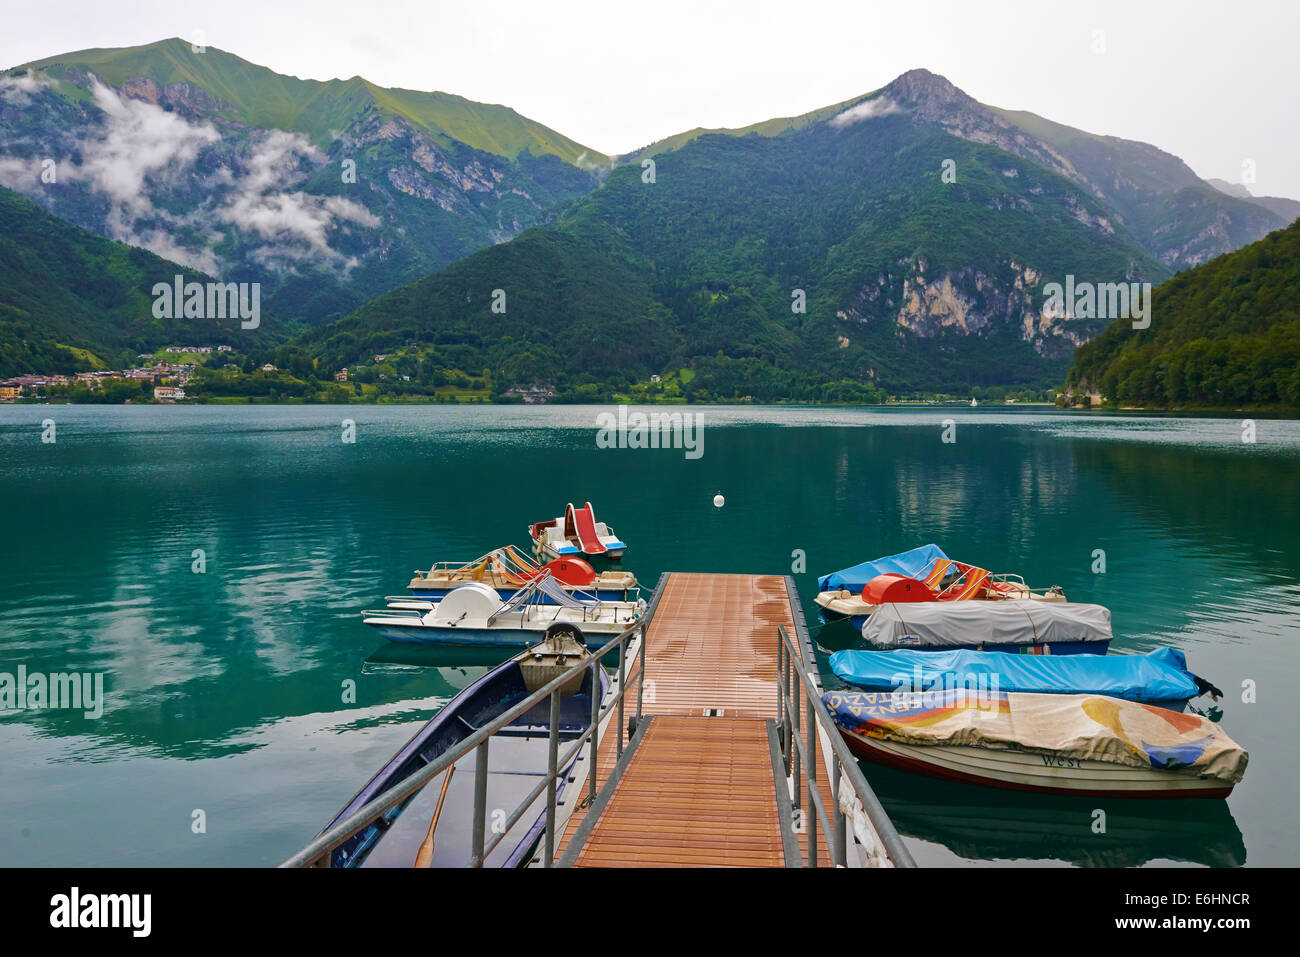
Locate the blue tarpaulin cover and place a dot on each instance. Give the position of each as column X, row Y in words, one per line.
column 915, row 563
column 1159, row 675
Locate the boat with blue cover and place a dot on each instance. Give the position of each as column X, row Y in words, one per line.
column 923, row 574
column 1158, row 677
column 519, row 756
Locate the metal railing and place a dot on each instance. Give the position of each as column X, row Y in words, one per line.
column 799, row 750
column 317, row 853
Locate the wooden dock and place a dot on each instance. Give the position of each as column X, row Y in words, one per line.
column 697, row 787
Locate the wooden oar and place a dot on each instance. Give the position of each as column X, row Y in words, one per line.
column 424, row 858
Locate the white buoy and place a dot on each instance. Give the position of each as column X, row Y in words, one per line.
column 719, row 501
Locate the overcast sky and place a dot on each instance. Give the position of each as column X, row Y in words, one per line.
column 1214, row 83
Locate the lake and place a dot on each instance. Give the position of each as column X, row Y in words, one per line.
column 225, row 671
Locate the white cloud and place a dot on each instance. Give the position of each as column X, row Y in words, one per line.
column 866, row 110
column 296, row 223
column 17, row 90
column 141, row 142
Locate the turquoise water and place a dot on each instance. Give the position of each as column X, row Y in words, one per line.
column 225, row 690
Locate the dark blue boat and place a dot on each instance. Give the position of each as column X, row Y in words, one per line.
column 518, row 756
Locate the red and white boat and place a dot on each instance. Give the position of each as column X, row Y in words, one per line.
column 575, row 533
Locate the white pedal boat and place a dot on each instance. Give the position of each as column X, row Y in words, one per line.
column 474, row 614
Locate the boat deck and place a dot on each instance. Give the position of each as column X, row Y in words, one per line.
column 699, row 788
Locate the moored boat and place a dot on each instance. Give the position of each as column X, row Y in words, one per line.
column 519, row 753
column 507, row 570
column 923, row 574
column 1023, row 625
column 575, row 533
column 1055, row 744
column 474, row 614
column 1157, row 678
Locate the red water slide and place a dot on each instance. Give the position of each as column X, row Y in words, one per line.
column 584, row 526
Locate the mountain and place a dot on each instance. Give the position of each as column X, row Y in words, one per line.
column 911, row 282
column 327, row 193
column 71, row 300
column 1224, row 334
column 1179, row 218
column 1288, row 209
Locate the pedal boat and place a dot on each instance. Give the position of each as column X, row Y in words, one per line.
column 574, row 534
column 923, row 574
column 474, row 614
column 507, row 570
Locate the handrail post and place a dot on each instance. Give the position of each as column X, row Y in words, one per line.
column 839, row 841
column 640, row 679
column 796, row 763
column 551, row 761
column 622, row 678
column 480, row 803
column 789, row 693
column 812, row 778
column 595, row 725
column 781, row 693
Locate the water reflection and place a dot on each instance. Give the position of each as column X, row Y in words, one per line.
column 978, row 823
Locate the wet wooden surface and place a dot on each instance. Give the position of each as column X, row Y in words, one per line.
column 699, row 790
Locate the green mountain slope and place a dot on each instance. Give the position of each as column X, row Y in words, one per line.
column 327, row 193
column 911, row 283
column 1176, row 216
column 63, row 288
column 257, row 96
column 1223, row 334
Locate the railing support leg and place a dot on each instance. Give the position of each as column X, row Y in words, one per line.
column 640, row 678
column 622, row 679
column 839, row 840
column 552, row 760
column 595, row 735
column 796, row 765
column 812, row 783
column 480, row 803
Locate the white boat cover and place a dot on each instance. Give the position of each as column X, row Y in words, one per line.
column 1091, row 727
column 944, row 624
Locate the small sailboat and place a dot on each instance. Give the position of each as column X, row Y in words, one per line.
column 474, row 614
column 507, row 570
column 576, row 533
column 1048, row 743
column 435, row 824
column 923, row 574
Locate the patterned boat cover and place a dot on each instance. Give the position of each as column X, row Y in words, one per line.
column 1091, row 727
